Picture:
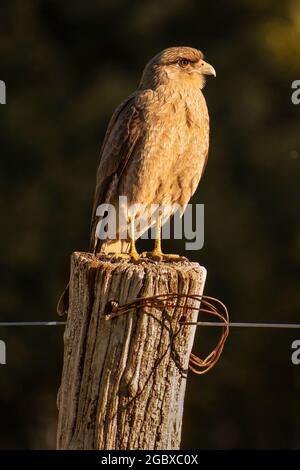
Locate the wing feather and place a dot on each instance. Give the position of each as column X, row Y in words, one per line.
column 122, row 136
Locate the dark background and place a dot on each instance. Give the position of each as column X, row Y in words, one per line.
column 67, row 64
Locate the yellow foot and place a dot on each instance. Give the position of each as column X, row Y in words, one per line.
column 172, row 257
column 159, row 256
column 135, row 257
column 133, row 253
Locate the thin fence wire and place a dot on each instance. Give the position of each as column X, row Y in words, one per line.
column 283, row 326
column 206, row 305
column 32, row 323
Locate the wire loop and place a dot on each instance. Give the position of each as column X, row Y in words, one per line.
column 208, row 305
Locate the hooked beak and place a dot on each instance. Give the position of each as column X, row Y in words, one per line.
column 206, row 69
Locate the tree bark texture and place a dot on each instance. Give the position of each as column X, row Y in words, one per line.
column 124, row 378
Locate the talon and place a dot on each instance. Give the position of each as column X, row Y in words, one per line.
column 172, row 257
column 135, row 256
column 159, row 256
column 156, row 255
column 151, row 255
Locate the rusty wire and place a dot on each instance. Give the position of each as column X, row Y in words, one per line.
column 208, row 305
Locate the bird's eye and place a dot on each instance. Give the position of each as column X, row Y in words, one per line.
column 183, row 62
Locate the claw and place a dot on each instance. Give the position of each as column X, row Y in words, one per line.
column 159, row 256
column 173, row 257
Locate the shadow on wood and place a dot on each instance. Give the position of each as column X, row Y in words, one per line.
column 124, row 379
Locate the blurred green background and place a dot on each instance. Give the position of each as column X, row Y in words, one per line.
column 67, row 64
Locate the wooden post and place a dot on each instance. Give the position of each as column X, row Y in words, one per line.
column 124, row 379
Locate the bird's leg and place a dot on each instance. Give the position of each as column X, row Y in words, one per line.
column 133, row 253
column 157, row 253
column 157, row 243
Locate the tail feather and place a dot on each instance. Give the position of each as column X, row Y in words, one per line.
column 111, row 246
column 115, row 246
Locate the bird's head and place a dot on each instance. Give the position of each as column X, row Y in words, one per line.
column 183, row 65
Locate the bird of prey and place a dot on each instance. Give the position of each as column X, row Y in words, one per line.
column 155, row 149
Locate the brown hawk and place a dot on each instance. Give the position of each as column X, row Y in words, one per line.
column 154, row 151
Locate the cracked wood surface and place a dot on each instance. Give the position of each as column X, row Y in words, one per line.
column 124, row 379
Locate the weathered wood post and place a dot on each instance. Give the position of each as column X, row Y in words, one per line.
column 124, row 378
